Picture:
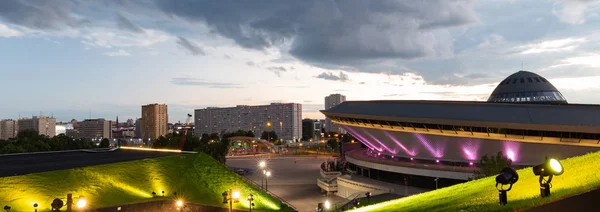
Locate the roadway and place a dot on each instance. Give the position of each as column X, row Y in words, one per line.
column 294, row 178
column 11, row 165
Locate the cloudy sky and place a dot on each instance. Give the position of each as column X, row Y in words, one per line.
column 68, row 58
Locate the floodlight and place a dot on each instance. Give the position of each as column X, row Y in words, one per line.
column 81, row 202
column 235, row 195
column 225, row 199
column 327, row 204
column 35, row 205
column 551, row 167
column 508, row 176
column 179, row 203
column 57, row 204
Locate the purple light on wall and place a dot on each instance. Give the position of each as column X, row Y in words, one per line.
column 411, row 153
column 435, row 152
column 470, row 149
column 379, row 142
column 361, row 139
column 511, row 150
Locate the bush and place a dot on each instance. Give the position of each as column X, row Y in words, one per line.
column 490, row 166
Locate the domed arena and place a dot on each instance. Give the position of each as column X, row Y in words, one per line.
column 525, row 119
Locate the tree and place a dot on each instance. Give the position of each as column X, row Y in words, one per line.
column 240, row 133
column 105, row 143
column 490, row 166
column 269, row 135
column 250, row 134
column 333, row 144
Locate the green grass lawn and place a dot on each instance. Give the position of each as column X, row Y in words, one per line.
column 581, row 174
column 196, row 178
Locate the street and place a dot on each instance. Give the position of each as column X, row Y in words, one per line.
column 294, row 179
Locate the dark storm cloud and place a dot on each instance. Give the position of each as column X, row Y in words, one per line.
column 330, row 32
column 199, row 82
column 125, row 24
column 331, row 76
column 191, row 48
column 43, row 15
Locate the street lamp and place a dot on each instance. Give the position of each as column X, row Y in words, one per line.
column 268, row 132
column 267, row 174
column 35, row 205
column 163, row 193
column 550, row 168
column 231, row 197
column 250, row 199
column 262, row 165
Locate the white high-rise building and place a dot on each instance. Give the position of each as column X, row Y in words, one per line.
column 8, row 129
column 283, row 118
column 330, row 102
column 44, row 125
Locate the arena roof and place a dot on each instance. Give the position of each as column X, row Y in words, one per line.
column 566, row 118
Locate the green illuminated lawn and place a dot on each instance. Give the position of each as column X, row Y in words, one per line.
column 581, row 175
column 196, row 178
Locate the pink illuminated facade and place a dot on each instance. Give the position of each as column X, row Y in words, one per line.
column 459, row 149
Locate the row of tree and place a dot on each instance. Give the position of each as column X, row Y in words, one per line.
column 32, row 141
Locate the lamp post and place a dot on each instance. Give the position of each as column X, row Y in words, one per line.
column 250, row 199
column 35, row 205
column 269, row 132
column 280, row 130
column 436, row 182
column 231, row 197
column 267, row 174
column 262, row 165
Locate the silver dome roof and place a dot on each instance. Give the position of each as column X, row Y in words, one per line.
column 526, row 87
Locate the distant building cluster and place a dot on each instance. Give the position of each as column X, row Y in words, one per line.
column 283, row 118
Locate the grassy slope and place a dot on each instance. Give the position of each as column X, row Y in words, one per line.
column 196, row 178
column 581, row 174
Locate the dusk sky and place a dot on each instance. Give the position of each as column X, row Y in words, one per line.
column 69, row 57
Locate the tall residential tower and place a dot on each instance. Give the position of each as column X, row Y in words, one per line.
column 154, row 121
column 330, row 102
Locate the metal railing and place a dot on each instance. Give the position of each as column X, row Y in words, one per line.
column 272, row 194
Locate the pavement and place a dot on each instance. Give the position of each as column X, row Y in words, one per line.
column 12, row 165
column 294, row 179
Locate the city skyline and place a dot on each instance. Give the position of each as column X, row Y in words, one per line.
column 111, row 57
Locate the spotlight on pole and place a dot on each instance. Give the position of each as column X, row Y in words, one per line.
column 551, row 167
column 508, row 176
column 81, row 202
column 163, row 193
column 250, row 199
column 35, row 205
